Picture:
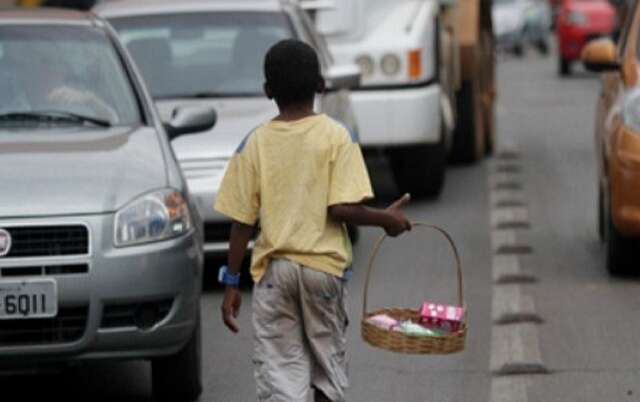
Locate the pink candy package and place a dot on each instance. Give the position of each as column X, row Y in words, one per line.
column 383, row 321
column 441, row 316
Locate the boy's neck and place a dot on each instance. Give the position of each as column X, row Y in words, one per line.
column 295, row 112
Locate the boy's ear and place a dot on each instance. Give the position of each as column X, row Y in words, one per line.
column 267, row 90
column 322, row 86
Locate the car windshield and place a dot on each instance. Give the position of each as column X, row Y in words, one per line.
column 204, row 54
column 63, row 75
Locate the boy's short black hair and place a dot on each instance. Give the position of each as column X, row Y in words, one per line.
column 292, row 70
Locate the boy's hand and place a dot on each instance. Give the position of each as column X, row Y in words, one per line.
column 231, row 308
column 398, row 223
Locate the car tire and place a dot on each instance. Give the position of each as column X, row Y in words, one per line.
column 543, row 46
column 564, row 67
column 178, row 378
column 619, row 250
column 468, row 140
column 518, row 50
column 420, row 169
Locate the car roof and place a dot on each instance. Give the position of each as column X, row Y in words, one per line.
column 46, row 16
column 145, row 7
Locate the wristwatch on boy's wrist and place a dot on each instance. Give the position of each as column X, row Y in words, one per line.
column 227, row 278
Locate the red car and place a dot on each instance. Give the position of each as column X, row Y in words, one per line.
column 578, row 22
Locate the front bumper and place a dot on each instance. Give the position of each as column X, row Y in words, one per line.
column 624, row 176
column 401, row 116
column 167, row 273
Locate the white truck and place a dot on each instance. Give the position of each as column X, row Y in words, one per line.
column 405, row 104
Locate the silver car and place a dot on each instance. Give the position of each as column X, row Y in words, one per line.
column 100, row 246
column 210, row 52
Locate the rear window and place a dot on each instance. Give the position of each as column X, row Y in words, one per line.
column 213, row 53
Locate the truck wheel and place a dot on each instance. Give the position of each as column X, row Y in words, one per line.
column 564, row 66
column 178, row 378
column 619, row 253
column 468, row 139
column 490, row 135
column 419, row 169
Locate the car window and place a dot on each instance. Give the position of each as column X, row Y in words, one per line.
column 64, row 70
column 204, row 54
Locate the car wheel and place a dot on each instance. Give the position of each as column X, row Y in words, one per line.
column 543, row 46
column 564, row 67
column 468, row 139
column 178, row 378
column 419, row 170
column 618, row 250
column 518, row 50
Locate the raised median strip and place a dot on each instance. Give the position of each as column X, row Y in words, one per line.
column 515, row 345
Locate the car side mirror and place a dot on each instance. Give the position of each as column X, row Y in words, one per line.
column 345, row 76
column 189, row 120
column 600, row 55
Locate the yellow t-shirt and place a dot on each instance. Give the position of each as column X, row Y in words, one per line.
column 287, row 174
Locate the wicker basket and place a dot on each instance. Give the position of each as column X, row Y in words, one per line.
column 399, row 342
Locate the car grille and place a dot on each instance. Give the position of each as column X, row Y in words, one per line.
column 67, row 327
column 56, row 270
column 48, row 241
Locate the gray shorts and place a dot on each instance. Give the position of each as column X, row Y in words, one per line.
column 300, row 321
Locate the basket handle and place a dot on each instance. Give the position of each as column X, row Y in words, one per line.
column 381, row 240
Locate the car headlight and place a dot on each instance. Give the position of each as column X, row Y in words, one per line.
column 390, row 64
column 156, row 216
column 631, row 109
column 366, row 65
column 576, row 18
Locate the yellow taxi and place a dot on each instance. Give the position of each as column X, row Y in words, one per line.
column 617, row 139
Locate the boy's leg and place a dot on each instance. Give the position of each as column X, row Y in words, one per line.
column 323, row 302
column 281, row 358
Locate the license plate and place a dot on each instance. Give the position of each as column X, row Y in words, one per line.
column 36, row 298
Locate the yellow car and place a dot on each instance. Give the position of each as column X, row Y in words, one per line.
column 617, row 135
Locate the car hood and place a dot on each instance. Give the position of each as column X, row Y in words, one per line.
column 76, row 171
column 237, row 117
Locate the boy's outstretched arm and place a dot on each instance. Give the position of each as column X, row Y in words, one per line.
column 391, row 219
column 240, row 236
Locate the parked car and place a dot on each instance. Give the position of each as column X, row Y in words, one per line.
column 401, row 106
column 211, row 53
column 578, row 22
column 521, row 23
column 100, row 244
column 617, row 140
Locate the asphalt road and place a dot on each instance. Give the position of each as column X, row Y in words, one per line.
column 586, row 332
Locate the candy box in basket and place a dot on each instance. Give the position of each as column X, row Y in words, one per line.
column 441, row 316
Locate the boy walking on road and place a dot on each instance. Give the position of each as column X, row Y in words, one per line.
column 303, row 177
